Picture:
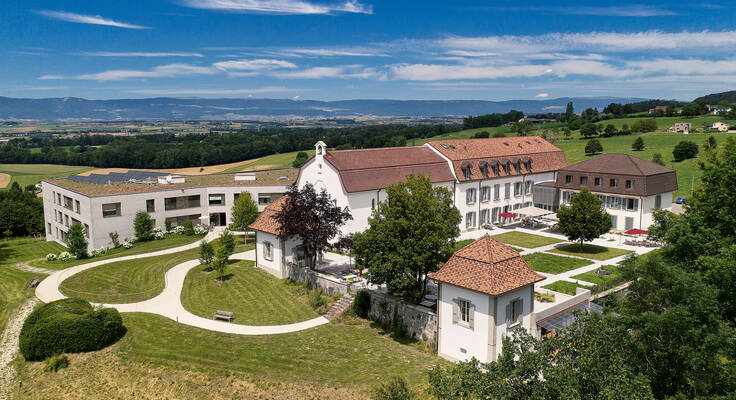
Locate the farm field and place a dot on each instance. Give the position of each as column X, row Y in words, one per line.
column 31, row 174
column 283, row 160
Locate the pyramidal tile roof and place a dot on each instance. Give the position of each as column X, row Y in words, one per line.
column 487, row 266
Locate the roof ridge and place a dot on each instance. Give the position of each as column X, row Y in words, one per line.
column 375, row 149
column 636, row 164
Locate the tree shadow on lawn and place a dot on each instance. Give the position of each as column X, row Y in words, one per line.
column 397, row 336
column 575, row 248
column 224, row 278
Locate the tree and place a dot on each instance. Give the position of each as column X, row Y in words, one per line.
column 638, row 144
column 566, row 132
column 410, row 235
column 584, row 219
column 693, row 109
column 588, row 130
column 610, row 130
column 76, row 242
column 482, row 135
column 245, row 211
column 301, row 158
column 206, row 253
column 143, row 225
column 219, row 263
column 575, row 124
column 522, row 128
column 711, row 144
column 657, row 158
column 569, row 111
column 671, row 107
column 313, row 218
column 685, row 150
column 227, row 241
column 593, row 147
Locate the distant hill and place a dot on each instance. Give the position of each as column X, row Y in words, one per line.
column 715, row 98
column 166, row 108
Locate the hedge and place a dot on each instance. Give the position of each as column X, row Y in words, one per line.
column 68, row 326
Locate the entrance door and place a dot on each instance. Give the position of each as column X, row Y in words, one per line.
column 218, row 219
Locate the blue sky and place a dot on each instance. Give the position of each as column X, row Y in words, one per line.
column 328, row 50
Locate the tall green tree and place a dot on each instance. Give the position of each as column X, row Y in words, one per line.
column 569, row 111
column 657, row 158
column 584, row 219
column 143, row 226
column 593, row 147
column 684, row 150
column 638, row 144
column 76, row 242
column 227, row 241
column 245, row 212
column 409, row 235
column 206, row 253
column 589, row 129
column 301, row 158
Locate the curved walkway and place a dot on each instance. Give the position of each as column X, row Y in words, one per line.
column 168, row 302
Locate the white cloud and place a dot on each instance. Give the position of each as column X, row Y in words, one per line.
column 633, row 10
column 162, row 71
column 349, row 71
column 88, row 19
column 51, row 77
column 253, row 65
column 542, row 95
column 685, row 66
column 333, row 53
column 198, row 92
column 137, row 54
column 279, row 6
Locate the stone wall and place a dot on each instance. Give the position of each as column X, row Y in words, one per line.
column 416, row 321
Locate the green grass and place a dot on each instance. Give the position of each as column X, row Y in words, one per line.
column 31, row 174
column 565, row 287
column 334, row 354
column 525, row 240
column 462, row 243
column 589, row 251
column 283, row 160
column 603, row 282
column 13, row 282
column 552, row 264
column 127, row 281
column 169, row 241
column 255, row 296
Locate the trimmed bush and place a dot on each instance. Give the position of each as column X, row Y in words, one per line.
column 56, row 363
column 68, row 326
column 362, row 303
column 188, row 228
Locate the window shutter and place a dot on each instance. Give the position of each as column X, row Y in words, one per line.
column 455, row 310
column 471, row 315
column 521, row 309
column 508, row 314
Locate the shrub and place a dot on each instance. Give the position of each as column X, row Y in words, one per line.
column 65, row 256
column 143, row 225
column 127, row 243
column 188, row 228
column 179, row 229
column 362, row 303
column 316, row 301
column 56, row 363
column 50, row 257
column 481, row 135
column 498, row 134
column 200, row 230
column 395, row 389
column 115, row 239
column 99, row 252
column 684, row 150
column 227, row 241
column 68, row 326
column 593, row 146
column 638, row 144
column 167, row 225
column 76, row 242
column 544, row 297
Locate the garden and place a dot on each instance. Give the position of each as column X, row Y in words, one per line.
column 525, row 240
column 552, row 264
column 590, row 251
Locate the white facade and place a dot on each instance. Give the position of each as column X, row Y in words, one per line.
column 215, row 203
column 628, row 212
column 720, row 126
column 273, row 255
column 482, row 336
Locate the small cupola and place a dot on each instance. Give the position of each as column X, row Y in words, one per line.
column 320, row 148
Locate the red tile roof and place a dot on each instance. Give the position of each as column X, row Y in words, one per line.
column 371, row 169
column 266, row 221
column 544, row 156
column 487, row 266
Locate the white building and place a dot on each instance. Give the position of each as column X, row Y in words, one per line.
column 487, row 176
column 273, row 254
column 108, row 203
column 630, row 188
column 720, row 126
column 486, row 292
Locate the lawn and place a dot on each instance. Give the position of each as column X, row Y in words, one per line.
column 590, row 251
column 127, row 281
column 552, row 264
column 602, row 282
column 255, row 296
column 169, row 241
column 13, row 282
column 565, row 287
column 526, row 240
column 160, row 359
column 31, row 174
column 283, row 160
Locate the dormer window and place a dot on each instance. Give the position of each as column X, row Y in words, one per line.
column 466, row 169
column 483, row 166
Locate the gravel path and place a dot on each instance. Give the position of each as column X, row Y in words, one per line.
column 25, row 266
column 9, row 346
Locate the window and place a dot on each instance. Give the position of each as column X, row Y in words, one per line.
column 181, row 202
column 614, row 182
column 484, row 217
column 629, row 222
column 110, row 210
column 470, row 196
column 86, row 230
column 517, row 189
column 513, row 312
column 470, row 220
column 507, row 187
column 496, row 191
column 568, row 179
column 615, row 202
column 485, row 193
column 150, row 205
column 373, row 204
column 583, row 180
column 528, row 187
column 66, row 220
column 464, row 307
column 68, row 203
column 597, row 181
column 567, row 196
column 629, row 184
column 181, row 220
column 632, row 204
column 76, row 206
column 466, row 172
column 614, row 222
column 216, row 199
column 658, row 201
column 58, row 198
column 53, row 197
column 268, row 251
column 496, row 211
column 48, row 227
column 236, row 196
